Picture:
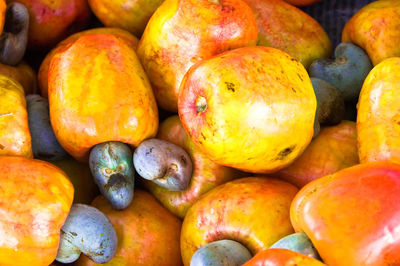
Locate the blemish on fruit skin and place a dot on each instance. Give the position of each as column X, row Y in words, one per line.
column 230, row 86
column 285, row 152
column 300, row 77
column 201, row 104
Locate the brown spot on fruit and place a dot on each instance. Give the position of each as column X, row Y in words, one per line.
column 285, row 152
column 230, row 86
column 201, row 104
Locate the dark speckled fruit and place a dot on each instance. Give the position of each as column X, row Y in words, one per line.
column 112, row 169
column 87, row 230
column 346, row 72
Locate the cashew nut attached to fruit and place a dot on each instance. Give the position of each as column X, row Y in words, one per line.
column 163, row 162
column 112, row 169
column 346, row 72
column 45, row 145
column 221, row 253
column 14, row 38
column 298, row 242
column 87, row 230
column 330, row 104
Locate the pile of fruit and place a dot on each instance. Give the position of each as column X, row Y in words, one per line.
column 198, row 132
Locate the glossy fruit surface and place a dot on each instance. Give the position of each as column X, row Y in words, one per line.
column 147, row 233
column 282, row 257
column 51, row 21
column 131, row 15
column 15, row 138
column 238, row 108
column 376, row 29
column 36, row 198
column 3, row 7
column 184, row 32
column 22, row 73
column 335, row 148
column 253, row 211
column 378, row 117
column 206, row 173
column 301, row 36
column 99, row 92
column 352, row 216
column 43, row 72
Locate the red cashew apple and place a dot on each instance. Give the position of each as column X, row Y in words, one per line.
column 51, row 21
column 352, row 216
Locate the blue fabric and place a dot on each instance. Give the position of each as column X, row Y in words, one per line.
column 333, row 15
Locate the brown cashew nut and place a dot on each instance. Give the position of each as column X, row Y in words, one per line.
column 165, row 163
column 14, row 38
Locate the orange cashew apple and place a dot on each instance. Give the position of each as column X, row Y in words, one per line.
column 36, row 197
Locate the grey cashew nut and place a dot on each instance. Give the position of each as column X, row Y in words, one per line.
column 87, row 230
column 112, row 169
column 14, row 39
column 221, row 253
column 165, row 163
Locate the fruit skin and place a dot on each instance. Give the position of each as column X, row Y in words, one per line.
column 51, row 21
column 22, row 73
column 130, row 15
column 335, row 148
column 253, row 211
column 130, row 40
column 305, row 40
column 378, row 117
column 147, row 233
column 85, row 190
column 238, row 108
column 346, row 72
column 15, row 138
column 183, row 32
column 352, row 216
column 282, row 257
column 206, row 173
column 87, row 108
column 36, row 198
column 376, row 29
column 3, row 8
